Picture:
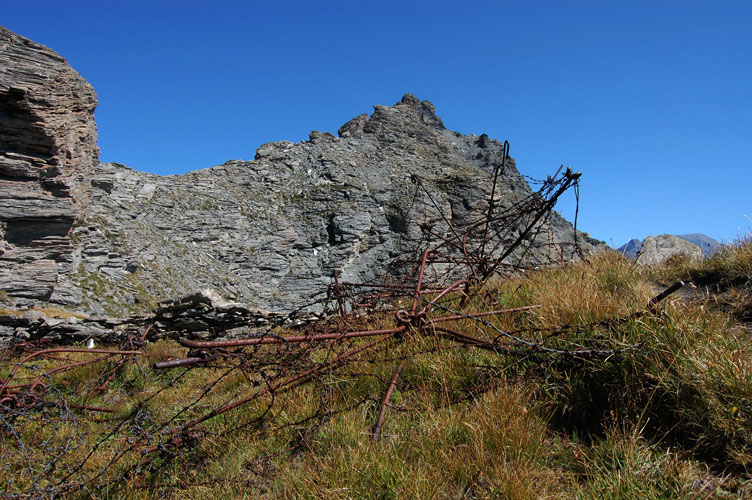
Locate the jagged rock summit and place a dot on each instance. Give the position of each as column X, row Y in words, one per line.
column 107, row 240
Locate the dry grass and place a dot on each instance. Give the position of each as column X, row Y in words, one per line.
column 671, row 419
column 730, row 266
column 607, row 286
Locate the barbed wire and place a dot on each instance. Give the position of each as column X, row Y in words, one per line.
column 65, row 427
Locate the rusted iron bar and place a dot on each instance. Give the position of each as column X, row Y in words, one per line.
column 491, row 205
column 142, row 337
column 194, row 344
column 177, row 362
column 650, row 308
column 110, row 376
column 468, row 255
column 420, row 282
column 384, row 402
column 447, row 290
column 338, row 293
column 665, row 293
column 394, row 287
column 463, row 338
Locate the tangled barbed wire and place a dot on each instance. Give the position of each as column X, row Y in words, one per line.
column 64, row 428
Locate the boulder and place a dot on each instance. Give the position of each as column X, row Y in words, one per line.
column 707, row 244
column 659, row 249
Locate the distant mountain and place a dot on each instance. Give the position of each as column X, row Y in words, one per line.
column 707, row 244
column 631, row 248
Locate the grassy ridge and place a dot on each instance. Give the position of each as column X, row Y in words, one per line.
column 671, row 418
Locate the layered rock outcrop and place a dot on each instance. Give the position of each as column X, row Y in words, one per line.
column 200, row 315
column 48, row 147
column 107, row 240
column 272, row 231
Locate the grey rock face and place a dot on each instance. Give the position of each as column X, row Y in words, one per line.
column 48, row 143
column 269, row 233
column 659, row 249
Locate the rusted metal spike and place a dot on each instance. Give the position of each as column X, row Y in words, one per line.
column 385, row 401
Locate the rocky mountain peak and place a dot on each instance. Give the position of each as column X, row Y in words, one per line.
column 268, row 233
column 423, row 109
column 410, row 116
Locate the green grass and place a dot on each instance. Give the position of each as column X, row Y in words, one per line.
column 670, row 418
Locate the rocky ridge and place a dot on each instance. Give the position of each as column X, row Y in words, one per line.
column 201, row 315
column 110, row 242
column 272, row 231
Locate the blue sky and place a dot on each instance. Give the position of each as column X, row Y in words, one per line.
column 652, row 101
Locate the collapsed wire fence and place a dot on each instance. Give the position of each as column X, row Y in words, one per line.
column 66, row 426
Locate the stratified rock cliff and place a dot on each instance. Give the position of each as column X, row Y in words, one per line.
column 268, row 233
column 48, row 146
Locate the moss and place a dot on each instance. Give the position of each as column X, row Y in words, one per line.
column 117, row 298
column 11, row 312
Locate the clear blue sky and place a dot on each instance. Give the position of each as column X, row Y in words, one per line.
column 651, row 100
